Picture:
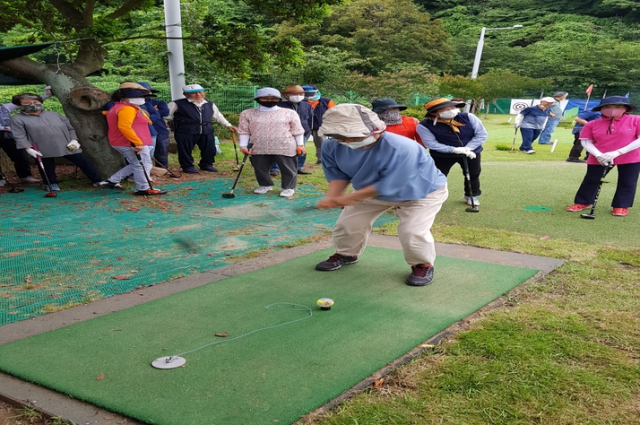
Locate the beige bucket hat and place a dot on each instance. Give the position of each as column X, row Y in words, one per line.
column 350, row 120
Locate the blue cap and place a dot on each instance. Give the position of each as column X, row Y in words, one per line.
column 147, row 86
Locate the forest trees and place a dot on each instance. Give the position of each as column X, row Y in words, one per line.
column 93, row 24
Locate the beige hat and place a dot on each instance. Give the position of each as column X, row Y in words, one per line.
column 548, row 99
column 134, row 86
column 350, row 120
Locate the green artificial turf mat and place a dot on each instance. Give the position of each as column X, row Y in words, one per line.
column 87, row 245
column 271, row 376
column 510, row 190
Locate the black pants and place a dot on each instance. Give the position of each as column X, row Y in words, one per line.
column 625, row 189
column 186, row 143
column 444, row 164
column 78, row 159
column 17, row 156
column 288, row 168
column 577, row 148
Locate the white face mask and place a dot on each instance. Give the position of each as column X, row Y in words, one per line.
column 447, row 115
column 296, row 99
column 136, row 101
column 356, row 145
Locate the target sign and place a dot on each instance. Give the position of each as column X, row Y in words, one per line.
column 518, row 105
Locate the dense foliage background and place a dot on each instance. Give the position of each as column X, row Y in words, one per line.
column 360, row 49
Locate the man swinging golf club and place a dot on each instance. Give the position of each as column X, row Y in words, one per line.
column 386, row 171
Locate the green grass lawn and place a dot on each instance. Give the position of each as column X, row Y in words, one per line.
column 565, row 350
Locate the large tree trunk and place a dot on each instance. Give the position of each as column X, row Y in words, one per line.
column 82, row 103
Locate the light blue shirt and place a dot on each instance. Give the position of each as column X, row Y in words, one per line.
column 479, row 137
column 399, row 168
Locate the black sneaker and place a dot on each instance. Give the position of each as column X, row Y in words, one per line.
column 574, row 160
column 335, row 262
column 421, row 275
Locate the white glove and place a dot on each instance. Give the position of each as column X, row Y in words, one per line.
column 34, row 153
column 470, row 154
column 607, row 158
column 73, row 145
column 460, row 151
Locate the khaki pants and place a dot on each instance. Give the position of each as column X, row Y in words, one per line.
column 352, row 230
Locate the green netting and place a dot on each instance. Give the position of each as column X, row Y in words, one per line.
column 86, row 245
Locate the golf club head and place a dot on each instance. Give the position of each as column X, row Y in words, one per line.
column 472, row 209
column 229, row 195
column 588, row 216
column 16, row 190
column 50, row 195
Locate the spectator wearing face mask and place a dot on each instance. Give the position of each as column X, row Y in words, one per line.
column 293, row 98
column 192, row 122
column 129, row 134
column 320, row 105
column 48, row 135
column 611, row 140
column 275, row 135
column 388, row 111
column 450, row 136
column 8, row 144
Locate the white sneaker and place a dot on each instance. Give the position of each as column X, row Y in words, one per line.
column 2, row 182
column 263, row 189
column 530, row 151
column 287, row 193
column 467, row 199
column 29, row 179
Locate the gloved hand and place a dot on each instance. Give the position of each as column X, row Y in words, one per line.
column 48, row 92
column 301, row 150
column 459, row 151
column 611, row 156
column 245, row 150
column 605, row 160
column 73, row 145
column 34, row 153
column 470, row 154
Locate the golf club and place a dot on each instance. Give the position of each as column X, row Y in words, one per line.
column 13, row 188
column 151, row 190
column 513, row 143
column 235, row 149
column 591, row 215
column 52, row 193
column 171, row 174
column 467, row 180
column 230, row 194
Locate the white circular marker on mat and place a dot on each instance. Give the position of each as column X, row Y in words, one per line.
column 168, row 362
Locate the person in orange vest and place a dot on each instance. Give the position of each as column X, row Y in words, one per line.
column 320, row 105
column 389, row 111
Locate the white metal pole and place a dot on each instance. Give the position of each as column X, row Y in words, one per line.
column 476, row 62
column 173, row 26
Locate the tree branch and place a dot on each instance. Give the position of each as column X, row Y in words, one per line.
column 125, row 8
column 71, row 14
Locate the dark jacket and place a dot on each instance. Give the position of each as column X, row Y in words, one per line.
column 318, row 112
column 156, row 115
column 445, row 135
column 190, row 119
column 305, row 112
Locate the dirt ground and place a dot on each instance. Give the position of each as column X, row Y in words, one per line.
column 10, row 415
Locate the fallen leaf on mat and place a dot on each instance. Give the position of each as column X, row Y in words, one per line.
column 122, row 277
column 378, row 383
column 7, row 296
column 27, row 278
column 544, row 237
column 100, row 378
column 210, row 254
column 118, row 258
column 222, row 334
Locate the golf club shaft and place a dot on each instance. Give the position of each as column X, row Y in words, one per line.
column 235, row 147
column 244, row 160
column 513, row 143
column 164, row 168
column 143, row 169
column 595, row 199
column 467, row 179
column 44, row 172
